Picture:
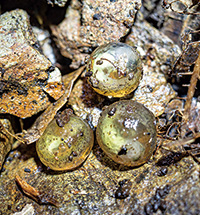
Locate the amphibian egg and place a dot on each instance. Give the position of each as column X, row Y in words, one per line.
column 66, row 142
column 114, row 69
column 127, row 132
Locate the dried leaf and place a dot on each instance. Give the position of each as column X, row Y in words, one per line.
column 38, row 196
column 183, row 6
column 187, row 59
column 6, row 138
column 39, row 126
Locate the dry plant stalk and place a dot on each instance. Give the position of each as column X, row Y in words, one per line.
column 191, row 89
column 8, row 133
column 181, row 142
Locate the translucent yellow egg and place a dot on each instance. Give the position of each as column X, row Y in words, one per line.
column 126, row 132
column 66, row 142
column 114, row 69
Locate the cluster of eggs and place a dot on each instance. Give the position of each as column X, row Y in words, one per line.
column 126, row 130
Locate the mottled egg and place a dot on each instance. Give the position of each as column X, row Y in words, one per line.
column 126, row 132
column 66, row 142
column 114, row 69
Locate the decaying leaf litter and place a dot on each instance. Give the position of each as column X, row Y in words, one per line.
column 159, row 186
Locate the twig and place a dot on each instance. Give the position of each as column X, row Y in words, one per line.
column 182, row 142
column 7, row 132
column 191, row 89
